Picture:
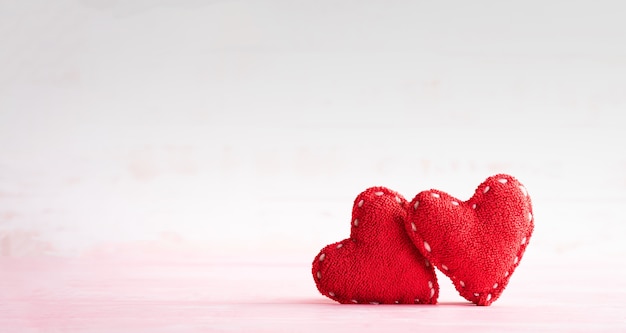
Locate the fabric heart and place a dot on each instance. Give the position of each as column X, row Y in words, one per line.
column 378, row 263
column 477, row 243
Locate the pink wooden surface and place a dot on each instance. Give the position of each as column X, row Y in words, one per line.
column 259, row 295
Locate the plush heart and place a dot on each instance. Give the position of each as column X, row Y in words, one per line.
column 477, row 243
column 378, row 263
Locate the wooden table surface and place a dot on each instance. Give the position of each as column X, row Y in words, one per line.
column 278, row 295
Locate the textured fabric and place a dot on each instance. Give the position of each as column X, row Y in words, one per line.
column 378, row 263
column 477, row 243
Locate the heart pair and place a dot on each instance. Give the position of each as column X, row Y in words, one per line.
column 394, row 245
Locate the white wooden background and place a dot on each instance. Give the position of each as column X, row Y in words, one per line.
column 213, row 138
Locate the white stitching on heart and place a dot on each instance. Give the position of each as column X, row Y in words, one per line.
column 506, row 273
column 339, row 246
column 417, row 300
column 488, row 297
column 524, row 240
column 417, row 203
column 332, row 294
column 427, row 263
column 319, row 275
column 355, row 301
column 486, row 189
column 444, row 267
column 474, row 206
column 379, row 193
column 398, row 200
column 502, row 180
column 462, row 283
column 356, row 222
column 435, row 195
column 374, row 303
column 455, row 203
column 476, row 294
column 397, row 302
column 360, row 203
column 523, row 189
column 322, row 256
column 430, row 284
column 413, row 227
column 432, row 292
column 495, row 285
column 426, row 246
column 530, row 216
column 516, row 260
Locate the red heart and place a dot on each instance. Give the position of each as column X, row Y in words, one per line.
column 378, row 263
column 477, row 243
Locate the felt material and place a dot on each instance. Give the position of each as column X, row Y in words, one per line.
column 378, row 263
column 477, row 243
